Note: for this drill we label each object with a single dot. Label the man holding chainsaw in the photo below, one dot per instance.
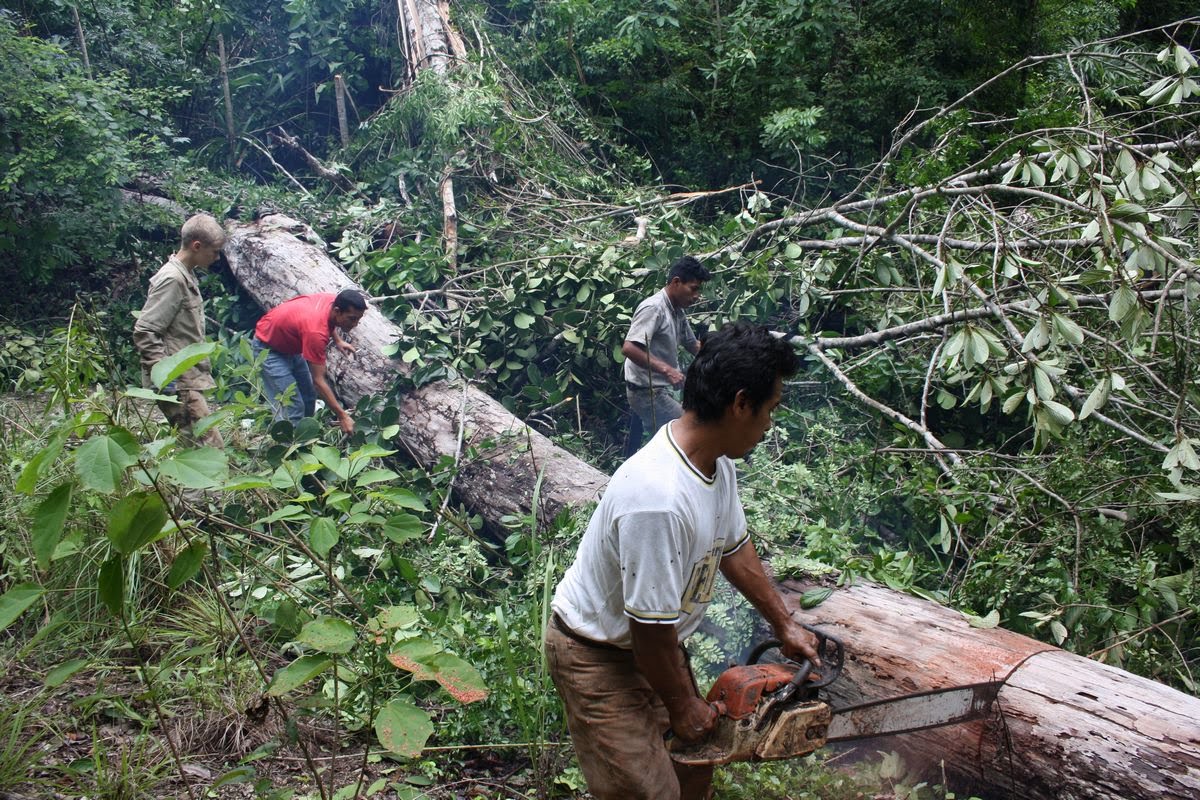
(644, 575)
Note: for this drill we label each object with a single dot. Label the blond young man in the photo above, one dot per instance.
(173, 318)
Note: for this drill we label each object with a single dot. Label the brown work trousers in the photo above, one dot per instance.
(191, 408)
(617, 724)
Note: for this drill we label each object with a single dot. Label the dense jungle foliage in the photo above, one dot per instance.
(977, 220)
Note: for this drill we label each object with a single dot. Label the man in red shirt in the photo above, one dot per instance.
(297, 333)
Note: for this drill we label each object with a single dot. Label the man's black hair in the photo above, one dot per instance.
(350, 298)
(688, 269)
(739, 357)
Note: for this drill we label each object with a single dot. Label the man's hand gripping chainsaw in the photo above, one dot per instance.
(768, 711)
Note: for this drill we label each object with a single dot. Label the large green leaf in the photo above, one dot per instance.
(331, 459)
(33, 470)
(148, 394)
(411, 655)
(402, 527)
(289, 512)
(375, 476)
(174, 365)
(322, 535)
(102, 460)
(328, 634)
(400, 497)
(135, 521)
(398, 617)
(187, 563)
(14, 602)
(298, 673)
(110, 584)
(202, 468)
(460, 679)
(403, 728)
(48, 522)
(60, 674)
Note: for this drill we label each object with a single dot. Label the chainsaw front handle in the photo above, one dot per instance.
(829, 650)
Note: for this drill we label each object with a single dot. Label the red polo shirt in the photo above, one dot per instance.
(299, 326)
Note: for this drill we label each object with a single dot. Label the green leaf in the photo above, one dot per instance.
(102, 460)
(1123, 301)
(242, 483)
(290, 512)
(149, 394)
(174, 365)
(403, 728)
(14, 602)
(402, 527)
(202, 468)
(400, 497)
(187, 563)
(814, 597)
(44, 458)
(62, 673)
(48, 522)
(331, 459)
(990, 621)
(135, 521)
(1095, 400)
(399, 617)
(298, 673)
(411, 654)
(456, 676)
(1041, 381)
(110, 584)
(235, 776)
(1061, 414)
(322, 535)
(375, 476)
(523, 321)
(1067, 329)
(1059, 631)
(328, 634)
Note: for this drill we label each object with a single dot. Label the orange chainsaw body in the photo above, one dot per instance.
(747, 728)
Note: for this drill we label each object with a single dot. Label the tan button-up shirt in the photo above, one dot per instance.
(172, 318)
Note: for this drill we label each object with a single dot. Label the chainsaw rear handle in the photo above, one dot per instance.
(829, 650)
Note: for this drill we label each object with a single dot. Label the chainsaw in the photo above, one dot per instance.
(772, 711)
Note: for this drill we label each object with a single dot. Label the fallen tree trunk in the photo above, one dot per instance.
(277, 258)
(1067, 727)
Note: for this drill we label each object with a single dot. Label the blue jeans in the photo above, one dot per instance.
(281, 372)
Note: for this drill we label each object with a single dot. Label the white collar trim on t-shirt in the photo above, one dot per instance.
(683, 457)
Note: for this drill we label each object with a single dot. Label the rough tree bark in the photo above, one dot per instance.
(1067, 727)
(278, 258)
(430, 42)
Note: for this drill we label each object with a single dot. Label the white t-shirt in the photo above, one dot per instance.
(653, 546)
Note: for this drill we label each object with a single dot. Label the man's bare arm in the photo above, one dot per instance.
(641, 356)
(744, 569)
(345, 422)
(660, 659)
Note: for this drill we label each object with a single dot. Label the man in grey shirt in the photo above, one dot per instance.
(658, 329)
